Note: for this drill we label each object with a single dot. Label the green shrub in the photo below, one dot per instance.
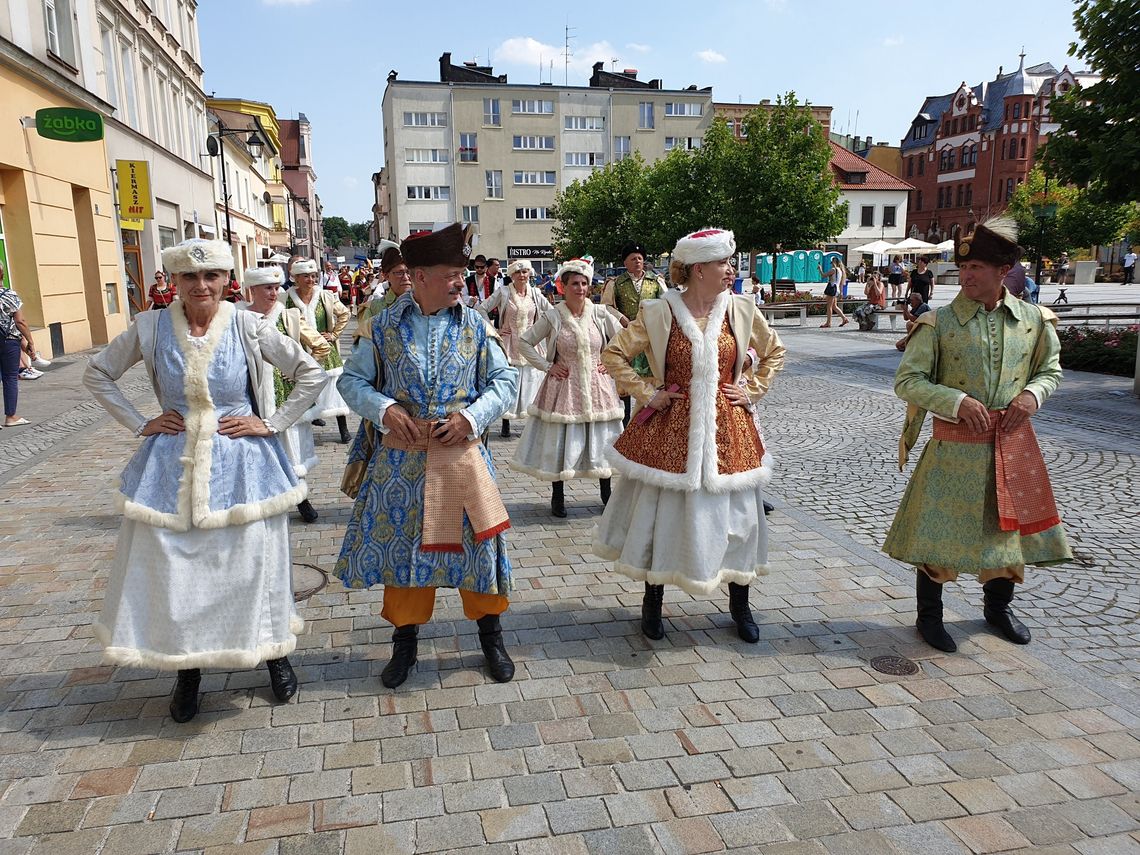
(1104, 351)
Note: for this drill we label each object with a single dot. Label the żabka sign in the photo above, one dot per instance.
(69, 124)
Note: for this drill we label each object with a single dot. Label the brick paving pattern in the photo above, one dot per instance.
(605, 742)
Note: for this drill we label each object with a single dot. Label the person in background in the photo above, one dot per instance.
(1063, 269)
(329, 279)
(161, 294)
(399, 281)
(14, 338)
(861, 272)
(757, 291)
(912, 308)
(922, 279)
(1128, 265)
(233, 289)
(836, 279)
(876, 295)
(476, 282)
(494, 276)
(895, 276)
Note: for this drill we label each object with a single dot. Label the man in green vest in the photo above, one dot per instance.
(624, 294)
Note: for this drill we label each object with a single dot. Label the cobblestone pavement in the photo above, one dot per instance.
(604, 742)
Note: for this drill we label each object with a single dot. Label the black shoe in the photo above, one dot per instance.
(558, 500)
(651, 623)
(499, 664)
(318, 422)
(738, 607)
(282, 678)
(307, 511)
(928, 593)
(604, 486)
(768, 508)
(403, 656)
(997, 595)
(342, 423)
(505, 431)
(184, 701)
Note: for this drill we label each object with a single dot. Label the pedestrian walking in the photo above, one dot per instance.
(922, 279)
(15, 336)
(263, 284)
(1128, 263)
(399, 280)
(203, 575)
(895, 275)
(325, 313)
(836, 279)
(576, 415)
(161, 294)
(979, 501)
(517, 307)
(428, 375)
(688, 510)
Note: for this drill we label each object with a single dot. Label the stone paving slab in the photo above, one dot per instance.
(605, 742)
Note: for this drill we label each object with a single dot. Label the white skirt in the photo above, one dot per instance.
(329, 403)
(558, 451)
(220, 598)
(530, 378)
(696, 541)
(301, 447)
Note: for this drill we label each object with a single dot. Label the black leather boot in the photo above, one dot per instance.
(318, 423)
(505, 431)
(282, 678)
(307, 511)
(342, 423)
(929, 623)
(651, 623)
(558, 499)
(184, 701)
(491, 637)
(997, 595)
(768, 508)
(738, 607)
(604, 487)
(404, 643)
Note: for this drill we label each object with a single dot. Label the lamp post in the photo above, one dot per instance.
(216, 147)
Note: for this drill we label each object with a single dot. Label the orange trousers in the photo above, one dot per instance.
(403, 606)
(942, 575)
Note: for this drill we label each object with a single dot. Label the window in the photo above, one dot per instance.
(491, 115)
(973, 122)
(682, 109)
(954, 126)
(969, 195)
(585, 123)
(1012, 149)
(425, 155)
(127, 66)
(922, 164)
(494, 184)
(470, 213)
(687, 143)
(621, 148)
(585, 158)
(538, 177)
(940, 189)
(918, 200)
(439, 192)
(468, 148)
(889, 216)
(524, 105)
(1008, 188)
(525, 143)
(909, 167)
(57, 28)
(867, 216)
(1023, 147)
(645, 115)
(425, 120)
(532, 214)
(110, 77)
(1017, 111)
(959, 195)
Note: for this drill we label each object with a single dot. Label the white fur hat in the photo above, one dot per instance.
(305, 265)
(585, 266)
(519, 264)
(271, 275)
(705, 245)
(196, 254)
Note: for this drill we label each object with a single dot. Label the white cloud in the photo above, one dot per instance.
(638, 48)
(893, 41)
(528, 52)
(710, 55)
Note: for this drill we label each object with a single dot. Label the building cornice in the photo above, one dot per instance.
(259, 110)
(702, 94)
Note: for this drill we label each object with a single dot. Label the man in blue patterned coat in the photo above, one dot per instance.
(430, 375)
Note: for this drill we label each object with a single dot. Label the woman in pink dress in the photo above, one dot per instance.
(576, 415)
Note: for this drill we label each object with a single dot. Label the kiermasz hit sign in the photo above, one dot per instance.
(133, 178)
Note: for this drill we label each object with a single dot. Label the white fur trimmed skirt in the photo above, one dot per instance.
(206, 598)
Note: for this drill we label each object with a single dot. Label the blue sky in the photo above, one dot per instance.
(876, 60)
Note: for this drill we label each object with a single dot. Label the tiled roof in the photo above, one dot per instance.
(844, 162)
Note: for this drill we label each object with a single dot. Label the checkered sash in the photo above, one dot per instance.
(457, 482)
(1024, 494)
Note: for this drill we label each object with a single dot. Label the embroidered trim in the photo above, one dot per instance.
(135, 658)
(564, 475)
(678, 577)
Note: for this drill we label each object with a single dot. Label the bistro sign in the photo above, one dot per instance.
(69, 124)
(530, 252)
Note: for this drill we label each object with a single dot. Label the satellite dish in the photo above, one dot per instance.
(266, 198)
(212, 146)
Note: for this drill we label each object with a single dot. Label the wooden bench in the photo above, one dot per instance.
(883, 314)
(771, 310)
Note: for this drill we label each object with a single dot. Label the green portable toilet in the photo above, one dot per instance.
(764, 269)
(784, 265)
(799, 266)
(814, 262)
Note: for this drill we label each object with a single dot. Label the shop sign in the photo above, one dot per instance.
(133, 177)
(69, 124)
(131, 224)
(530, 252)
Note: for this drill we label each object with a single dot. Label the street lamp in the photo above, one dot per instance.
(216, 147)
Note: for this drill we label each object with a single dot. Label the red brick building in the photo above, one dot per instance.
(967, 151)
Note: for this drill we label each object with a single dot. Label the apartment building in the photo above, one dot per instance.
(476, 148)
(305, 211)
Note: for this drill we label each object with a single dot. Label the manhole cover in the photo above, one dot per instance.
(308, 579)
(896, 665)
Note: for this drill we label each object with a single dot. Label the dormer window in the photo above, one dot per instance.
(856, 177)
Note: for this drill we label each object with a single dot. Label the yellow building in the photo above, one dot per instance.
(57, 212)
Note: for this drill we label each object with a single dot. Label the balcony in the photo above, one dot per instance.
(279, 236)
(278, 192)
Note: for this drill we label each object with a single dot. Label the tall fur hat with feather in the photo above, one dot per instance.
(992, 242)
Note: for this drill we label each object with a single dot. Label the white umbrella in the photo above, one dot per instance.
(911, 245)
(945, 246)
(875, 248)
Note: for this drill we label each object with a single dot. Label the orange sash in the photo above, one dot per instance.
(1024, 494)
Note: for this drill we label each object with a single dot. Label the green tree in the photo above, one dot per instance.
(599, 215)
(1066, 220)
(359, 233)
(337, 232)
(781, 191)
(1097, 143)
